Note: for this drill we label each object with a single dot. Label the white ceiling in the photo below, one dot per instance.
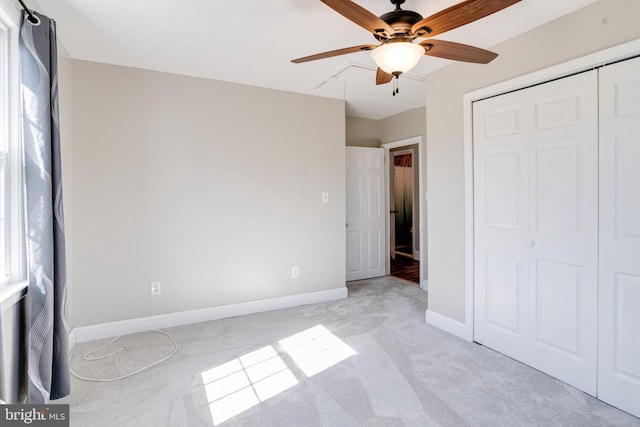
(253, 41)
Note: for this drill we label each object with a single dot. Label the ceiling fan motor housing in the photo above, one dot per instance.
(401, 21)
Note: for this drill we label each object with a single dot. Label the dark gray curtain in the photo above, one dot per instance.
(47, 362)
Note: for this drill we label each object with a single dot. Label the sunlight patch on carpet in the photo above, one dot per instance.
(255, 377)
(316, 349)
(242, 383)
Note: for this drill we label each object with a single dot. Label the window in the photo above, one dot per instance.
(4, 154)
(12, 247)
(4, 239)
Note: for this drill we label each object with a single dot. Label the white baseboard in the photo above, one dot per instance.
(123, 327)
(447, 324)
(72, 339)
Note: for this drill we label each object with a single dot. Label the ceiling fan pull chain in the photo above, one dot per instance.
(395, 86)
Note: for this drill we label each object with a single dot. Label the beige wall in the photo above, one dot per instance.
(596, 27)
(404, 125)
(213, 189)
(371, 133)
(362, 132)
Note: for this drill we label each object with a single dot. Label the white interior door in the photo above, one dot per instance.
(619, 305)
(365, 213)
(536, 225)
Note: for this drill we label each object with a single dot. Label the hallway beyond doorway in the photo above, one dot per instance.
(406, 268)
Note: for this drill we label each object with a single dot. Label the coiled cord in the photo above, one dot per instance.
(88, 357)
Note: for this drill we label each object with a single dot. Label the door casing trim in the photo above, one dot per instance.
(417, 140)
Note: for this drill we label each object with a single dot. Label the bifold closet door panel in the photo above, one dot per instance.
(563, 229)
(502, 132)
(619, 288)
(535, 221)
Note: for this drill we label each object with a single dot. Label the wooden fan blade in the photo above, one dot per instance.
(360, 16)
(336, 52)
(457, 51)
(458, 15)
(383, 77)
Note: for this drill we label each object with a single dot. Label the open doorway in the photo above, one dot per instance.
(402, 183)
(404, 262)
(404, 220)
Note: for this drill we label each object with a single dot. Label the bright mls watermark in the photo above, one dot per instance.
(34, 415)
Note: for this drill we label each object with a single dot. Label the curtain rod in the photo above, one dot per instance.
(32, 18)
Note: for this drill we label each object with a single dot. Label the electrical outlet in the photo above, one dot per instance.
(295, 272)
(325, 197)
(155, 288)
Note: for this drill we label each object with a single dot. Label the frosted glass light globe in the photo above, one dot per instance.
(397, 57)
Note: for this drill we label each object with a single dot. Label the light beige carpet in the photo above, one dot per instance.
(369, 360)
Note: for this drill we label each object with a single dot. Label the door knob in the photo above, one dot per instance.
(393, 212)
(530, 243)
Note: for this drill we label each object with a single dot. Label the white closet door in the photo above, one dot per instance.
(536, 227)
(619, 305)
(365, 213)
(501, 152)
(563, 228)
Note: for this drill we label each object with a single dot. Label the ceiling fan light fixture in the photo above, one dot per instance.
(397, 57)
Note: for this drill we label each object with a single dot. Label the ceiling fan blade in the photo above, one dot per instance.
(383, 77)
(336, 52)
(458, 15)
(360, 16)
(457, 51)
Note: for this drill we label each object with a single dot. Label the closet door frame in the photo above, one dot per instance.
(616, 53)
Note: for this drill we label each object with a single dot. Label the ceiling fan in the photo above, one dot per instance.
(396, 31)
